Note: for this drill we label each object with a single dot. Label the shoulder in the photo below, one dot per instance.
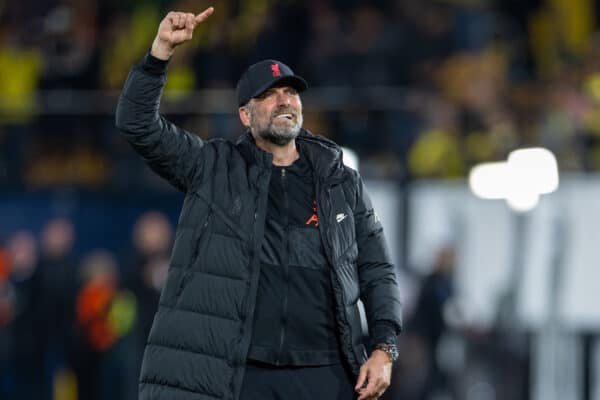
(221, 147)
(352, 175)
(351, 185)
(220, 142)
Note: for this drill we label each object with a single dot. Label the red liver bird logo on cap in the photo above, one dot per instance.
(275, 70)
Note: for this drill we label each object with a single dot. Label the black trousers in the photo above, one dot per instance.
(329, 382)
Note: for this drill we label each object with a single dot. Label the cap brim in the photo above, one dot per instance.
(294, 81)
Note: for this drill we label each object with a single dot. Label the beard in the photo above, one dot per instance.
(277, 134)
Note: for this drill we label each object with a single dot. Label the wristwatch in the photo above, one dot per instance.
(390, 349)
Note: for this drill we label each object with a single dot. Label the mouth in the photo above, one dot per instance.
(287, 116)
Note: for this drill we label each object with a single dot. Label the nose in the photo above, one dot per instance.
(283, 98)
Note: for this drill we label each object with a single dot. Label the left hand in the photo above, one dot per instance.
(378, 370)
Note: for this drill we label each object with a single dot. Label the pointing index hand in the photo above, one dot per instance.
(176, 28)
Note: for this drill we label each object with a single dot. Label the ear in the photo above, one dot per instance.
(244, 116)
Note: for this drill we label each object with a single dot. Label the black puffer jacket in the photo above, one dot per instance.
(201, 332)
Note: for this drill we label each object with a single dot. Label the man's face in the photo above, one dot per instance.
(276, 115)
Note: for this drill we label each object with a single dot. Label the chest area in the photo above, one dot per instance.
(292, 236)
(292, 200)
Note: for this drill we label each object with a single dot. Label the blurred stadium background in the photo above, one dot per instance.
(499, 304)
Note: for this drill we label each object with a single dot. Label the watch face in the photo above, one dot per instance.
(394, 353)
(390, 349)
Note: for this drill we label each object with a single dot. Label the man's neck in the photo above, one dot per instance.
(282, 155)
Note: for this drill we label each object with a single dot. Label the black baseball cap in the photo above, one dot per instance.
(264, 75)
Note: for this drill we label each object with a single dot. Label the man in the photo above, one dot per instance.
(277, 241)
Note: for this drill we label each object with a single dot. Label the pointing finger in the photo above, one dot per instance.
(204, 14)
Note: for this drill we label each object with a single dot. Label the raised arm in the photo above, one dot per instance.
(172, 152)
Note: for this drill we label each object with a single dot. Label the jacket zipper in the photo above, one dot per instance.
(286, 271)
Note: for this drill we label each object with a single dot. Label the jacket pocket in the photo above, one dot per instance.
(198, 240)
(305, 248)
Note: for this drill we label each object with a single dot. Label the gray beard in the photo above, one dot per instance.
(280, 136)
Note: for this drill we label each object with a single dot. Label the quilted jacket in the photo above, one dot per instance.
(200, 336)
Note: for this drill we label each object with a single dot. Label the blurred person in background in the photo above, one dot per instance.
(68, 42)
(6, 315)
(27, 338)
(429, 322)
(57, 283)
(105, 315)
(147, 269)
(277, 241)
(437, 150)
(21, 68)
(422, 373)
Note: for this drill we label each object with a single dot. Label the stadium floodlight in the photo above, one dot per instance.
(350, 158)
(527, 174)
(537, 167)
(490, 180)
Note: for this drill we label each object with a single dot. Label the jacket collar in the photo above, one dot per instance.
(252, 153)
(324, 155)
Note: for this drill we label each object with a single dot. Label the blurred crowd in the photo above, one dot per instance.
(470, 81)
(73, 327)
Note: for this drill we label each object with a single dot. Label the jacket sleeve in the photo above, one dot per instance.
(377, 275)
(170, 151)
